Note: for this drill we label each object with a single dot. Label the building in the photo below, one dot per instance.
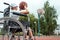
(57, 30)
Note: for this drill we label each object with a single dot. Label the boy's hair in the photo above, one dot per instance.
(22, 4)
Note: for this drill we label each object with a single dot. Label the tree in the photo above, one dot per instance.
(50, 23)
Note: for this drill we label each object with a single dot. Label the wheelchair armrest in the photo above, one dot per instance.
(19, 14)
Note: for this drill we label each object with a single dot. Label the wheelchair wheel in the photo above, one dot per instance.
(12, 19)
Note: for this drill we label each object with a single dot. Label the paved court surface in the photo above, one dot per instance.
(36, 38)
(48, 38)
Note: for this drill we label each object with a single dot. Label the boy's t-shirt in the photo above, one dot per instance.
(14, 16)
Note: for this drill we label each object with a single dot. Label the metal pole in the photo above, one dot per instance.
(9, 33)
(38, 24)
(28, 18)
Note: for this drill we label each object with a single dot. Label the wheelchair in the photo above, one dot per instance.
(11, 24)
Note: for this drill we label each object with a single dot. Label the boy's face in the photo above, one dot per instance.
(14, 8)
(25, 7)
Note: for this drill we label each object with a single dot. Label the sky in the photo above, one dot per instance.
(33, 5)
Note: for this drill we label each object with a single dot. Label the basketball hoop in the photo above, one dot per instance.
(40, 11)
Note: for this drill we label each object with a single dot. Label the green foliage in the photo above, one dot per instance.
(50, 23)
